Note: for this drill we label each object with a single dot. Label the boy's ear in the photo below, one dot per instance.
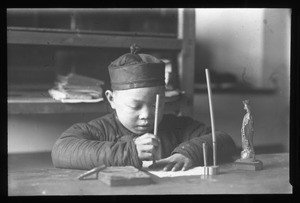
(110, 97)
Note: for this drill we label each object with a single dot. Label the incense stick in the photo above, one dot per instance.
(211, 117)
(92, 171)
(156, 119)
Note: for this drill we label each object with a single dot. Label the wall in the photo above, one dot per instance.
(38, 132)
(257, 41)
(276, 49)
(230, 40)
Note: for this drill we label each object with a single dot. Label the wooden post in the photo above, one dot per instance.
(186, 57)
(73, 20)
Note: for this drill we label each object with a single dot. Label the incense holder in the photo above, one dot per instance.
(248, 165)
(210, 170)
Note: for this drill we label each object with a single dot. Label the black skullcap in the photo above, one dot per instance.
(134, 70)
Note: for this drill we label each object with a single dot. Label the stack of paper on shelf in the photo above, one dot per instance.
(75, 88)
(172, 93)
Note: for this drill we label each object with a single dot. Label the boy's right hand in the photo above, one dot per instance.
(146, 146)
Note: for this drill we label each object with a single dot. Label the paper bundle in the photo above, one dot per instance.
(75, 88)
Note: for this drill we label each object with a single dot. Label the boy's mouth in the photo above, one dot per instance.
(144, 127)
(145, 123)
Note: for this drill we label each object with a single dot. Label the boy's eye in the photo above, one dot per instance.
(133, 106)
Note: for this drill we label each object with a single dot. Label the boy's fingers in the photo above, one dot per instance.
(185, 167)
(153, 141)
(153, 138)
(155, 166)
(168, 167)
(147, 156)
(148, 135)
(145, 137)
(159, 164)
(147, 148)
(162, 161)
(177, 166)
(147, 141)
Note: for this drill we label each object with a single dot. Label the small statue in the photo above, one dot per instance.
(247, 134)
(247, 160)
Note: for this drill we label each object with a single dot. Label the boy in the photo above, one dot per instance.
(125, 137)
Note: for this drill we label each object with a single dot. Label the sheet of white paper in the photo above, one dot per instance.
(196, 171)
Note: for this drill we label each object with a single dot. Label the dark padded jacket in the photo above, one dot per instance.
(106, 141)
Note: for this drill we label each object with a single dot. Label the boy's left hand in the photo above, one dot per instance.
(174, 162)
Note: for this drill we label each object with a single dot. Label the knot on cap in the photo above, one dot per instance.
(134, 70)
(130, 58)
(134, 49)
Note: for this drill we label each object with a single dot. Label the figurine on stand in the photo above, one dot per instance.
(247, 160)
(247, 134)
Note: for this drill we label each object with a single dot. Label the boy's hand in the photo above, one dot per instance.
(174, 162)
(146, 146)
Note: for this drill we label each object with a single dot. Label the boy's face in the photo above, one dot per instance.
(135, 108)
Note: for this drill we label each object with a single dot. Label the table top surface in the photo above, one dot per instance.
(273, 179)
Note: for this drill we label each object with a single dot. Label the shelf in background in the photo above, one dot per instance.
(39, 102)
(49, 105)
(61, 37)
(199, 88)
(98, 32)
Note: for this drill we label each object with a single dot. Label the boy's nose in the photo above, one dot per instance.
(146, 113)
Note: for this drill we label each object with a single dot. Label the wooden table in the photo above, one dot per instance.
(274, 178)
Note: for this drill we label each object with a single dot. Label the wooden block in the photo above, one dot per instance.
(124, 176)
(250, 166)
(211, 170)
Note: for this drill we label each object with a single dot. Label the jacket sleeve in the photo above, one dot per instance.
(193, 134)
(83, 146)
